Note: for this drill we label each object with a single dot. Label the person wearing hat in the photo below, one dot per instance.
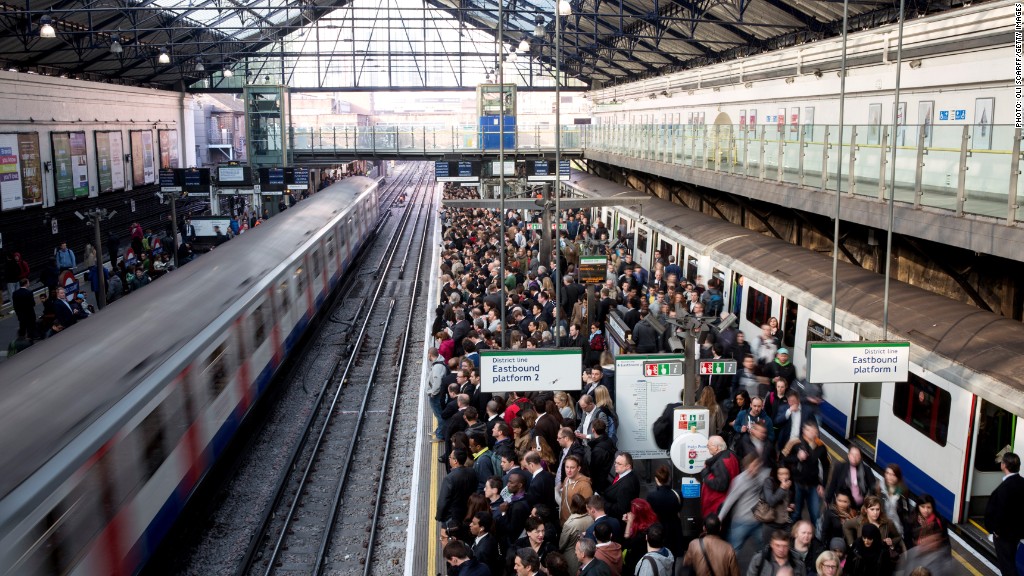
(782, 367)
(869, 556)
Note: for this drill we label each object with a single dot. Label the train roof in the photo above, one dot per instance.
(979, 351)
(55, 389)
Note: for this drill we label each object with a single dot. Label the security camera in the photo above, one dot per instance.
(728, 319)
(79, 214)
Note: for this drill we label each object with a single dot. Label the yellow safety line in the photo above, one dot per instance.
(433, 534)
(865, 440)
(963, 561)
(978, 526)
(835, 455)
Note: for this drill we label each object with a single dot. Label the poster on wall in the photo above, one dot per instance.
(701, 117)
(689, 119)
(21, 180)
(808, 126)
(752, 120)
(70, 172)
(901, 124)
(874, 123)
(925, 111)
(794, 121)
(743, 120)
(780, 120)
(984, 108)
(109, 167)
(168, 149)
(148, 158)
(138, 176)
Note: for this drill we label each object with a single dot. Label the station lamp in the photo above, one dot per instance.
(116, 48)
(228, 73)
(46, 27)
(163, 58)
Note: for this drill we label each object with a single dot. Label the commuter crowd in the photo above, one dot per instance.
(535, 482)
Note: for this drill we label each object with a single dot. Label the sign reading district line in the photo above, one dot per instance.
(859, 361)
(530, 370)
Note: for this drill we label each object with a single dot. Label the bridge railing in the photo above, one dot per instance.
(969, 169)
(428, 140)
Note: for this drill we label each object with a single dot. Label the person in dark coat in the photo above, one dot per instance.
(456, 488)
(645, 337)
(542, 485)
(49, 276)
(25, 308)
(859, 483)
(513, 513)
(869, 556)
(457, 554)
(602, 456)
(667, 504)
(624, 487)
(485, 544)
(1004, 512)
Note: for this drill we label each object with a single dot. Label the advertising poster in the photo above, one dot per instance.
(21, 180)
(168, 149)
(752, 120)
(103, 175)
(79, 165)
(63, 179)
(148, 158)
(138, 175)
(116, 160)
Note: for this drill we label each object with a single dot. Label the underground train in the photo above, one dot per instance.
(945, 427)
(109, 427)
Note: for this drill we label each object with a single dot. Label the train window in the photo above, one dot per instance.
(995, 436)
(154, 453)
(641, 240)
(819, 333)
(330, 247)
(924, 406)
(315, 257)
(282, 293)
(300, 283)
(258, 326)
(216, 370)
(759, 307)
(666, 249)
(691, 269)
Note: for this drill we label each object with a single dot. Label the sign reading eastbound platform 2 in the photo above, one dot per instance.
(530, 370)
(859, 361)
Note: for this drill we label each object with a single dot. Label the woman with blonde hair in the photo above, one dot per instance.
(566, 407)
(716, 418)
(604, 402)
(828, 564)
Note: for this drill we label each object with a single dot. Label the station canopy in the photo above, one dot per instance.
(331, 45)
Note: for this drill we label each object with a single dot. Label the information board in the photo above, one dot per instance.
(530, 370)
(544, 171)
(204, 225)
(689, 452)
(463, 171)
(197, 180)
(296, 178)
(859, 362)
(640, 400)
(593, 269)
(171, 179)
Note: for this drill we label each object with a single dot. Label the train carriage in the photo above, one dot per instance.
(110, 427)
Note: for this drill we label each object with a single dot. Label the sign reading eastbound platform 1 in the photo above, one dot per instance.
(859, 361)
(530, 370)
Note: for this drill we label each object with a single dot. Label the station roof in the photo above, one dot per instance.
(408, 44)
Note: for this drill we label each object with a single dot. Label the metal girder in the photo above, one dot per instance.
(532, 204)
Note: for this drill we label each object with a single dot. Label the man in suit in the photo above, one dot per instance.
(546, 426)
(542, 483)
(624, 488)
(460, 329)
(485, 544)
(1004, 512)
(791, 420)
(526, 563)
(595, 509)
(459, 556)
(586, 548)
(456, 488)
(25, 308)
(63, 310)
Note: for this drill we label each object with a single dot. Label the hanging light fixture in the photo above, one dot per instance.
(564, 8)
(539, 29)
(200, 67)
(115, 47)
(228, 73)
(512, 56)
(524, 45)
(46, 27)
(164, 57)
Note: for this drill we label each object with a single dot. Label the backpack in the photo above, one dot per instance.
(597, 343)
(715, 304)
(663, 430)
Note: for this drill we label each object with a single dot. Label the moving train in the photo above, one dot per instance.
(109, 427)
(946, 426)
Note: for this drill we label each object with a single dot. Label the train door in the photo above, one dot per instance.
(759, 305)
(867, 405)
(644, 242)
(995, 430)
(735, 298)
(838, 397)
(722, 275)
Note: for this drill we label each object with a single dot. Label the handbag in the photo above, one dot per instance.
(763, 512)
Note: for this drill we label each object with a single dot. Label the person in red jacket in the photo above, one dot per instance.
(719, 470)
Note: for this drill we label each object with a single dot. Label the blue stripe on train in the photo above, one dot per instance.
(833, 418)
(917, 480)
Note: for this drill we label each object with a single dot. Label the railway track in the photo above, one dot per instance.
(326, 508)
